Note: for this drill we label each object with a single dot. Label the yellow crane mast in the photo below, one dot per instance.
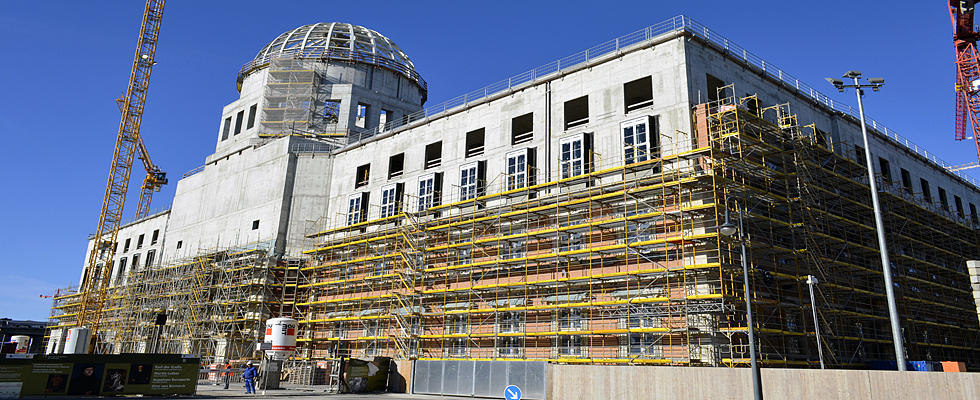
(129, 144)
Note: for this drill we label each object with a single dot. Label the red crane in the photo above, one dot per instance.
(967, 74)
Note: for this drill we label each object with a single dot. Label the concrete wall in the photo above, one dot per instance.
(571, 382)
(603, 83)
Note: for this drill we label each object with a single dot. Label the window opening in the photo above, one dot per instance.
(714, 84)
(973, 213)
(517, 169)
(886, 170)
(391, 198)
(255, 225)
(926, 193)
(433, 155)
(471, 179)
(638, 93)
(363, 176)
(384, 119)
(942, 199)
(640, 139)
(227, 129)
(572, 155)
(474, 142)
(179, 243)
(576, 112)
(239, 120)
(149, 258)
(139, 242)
(362, 114)
(126, 246)
(155, 237)
(429, 185)
(396, 165)
(522, 129)
(355, 208)
(906, 180)
(136, 262)
(251, 116)
(959, 205)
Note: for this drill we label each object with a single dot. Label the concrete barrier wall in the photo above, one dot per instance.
(570, 382)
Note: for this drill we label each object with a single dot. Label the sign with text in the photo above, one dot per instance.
(97, 374)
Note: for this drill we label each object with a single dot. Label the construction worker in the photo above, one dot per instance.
(227, 374)
(249, 375)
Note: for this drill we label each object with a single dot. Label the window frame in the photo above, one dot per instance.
(518, 175)
(391, 198)
(430, 198)
(633, 142)
(356, 206)
(572, 165)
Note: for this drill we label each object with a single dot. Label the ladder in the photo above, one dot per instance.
(335, 382)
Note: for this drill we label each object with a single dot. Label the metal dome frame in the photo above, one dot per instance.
(337, 41)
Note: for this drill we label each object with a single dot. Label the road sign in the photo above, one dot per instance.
(512, 393)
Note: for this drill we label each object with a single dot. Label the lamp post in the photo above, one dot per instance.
(729, 229)
(874, 84)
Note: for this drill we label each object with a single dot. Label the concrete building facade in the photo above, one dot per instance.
(569, 214)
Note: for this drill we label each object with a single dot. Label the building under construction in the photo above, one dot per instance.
(569, 214)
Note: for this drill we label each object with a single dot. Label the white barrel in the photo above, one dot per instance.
(77, 341)
(280, 333)
(56, 343)
(23, 343)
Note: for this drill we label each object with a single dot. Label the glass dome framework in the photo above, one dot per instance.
(337, 41)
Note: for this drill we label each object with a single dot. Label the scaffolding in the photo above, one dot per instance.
(297, 100)
(216, 305)
(624, 263)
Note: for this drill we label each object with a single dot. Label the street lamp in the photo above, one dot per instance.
(874, 84)
(729, 229)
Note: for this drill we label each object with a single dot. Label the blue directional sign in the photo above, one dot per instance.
(512, 393)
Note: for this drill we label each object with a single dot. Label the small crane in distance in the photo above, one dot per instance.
(967, 75)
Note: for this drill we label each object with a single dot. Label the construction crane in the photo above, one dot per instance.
(967, 74)
(129, 144)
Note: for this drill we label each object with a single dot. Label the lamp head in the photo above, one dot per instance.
(876, 81)
(728, 229)
(839, 84)
(852, 74)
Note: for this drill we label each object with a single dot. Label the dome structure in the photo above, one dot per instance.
(336, 41)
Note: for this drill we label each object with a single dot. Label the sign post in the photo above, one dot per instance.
(512, 392)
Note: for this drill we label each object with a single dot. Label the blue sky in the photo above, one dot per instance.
(63, 63)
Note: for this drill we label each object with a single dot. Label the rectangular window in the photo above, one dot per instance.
(179, 243)
(926, 193)
(886, 170)
(429, 187)
(638, 93)
(227, 129)
(362, 114)
(363, 175)
(149, 258)
(859, 155)
(576, 112)
(331, 111)
(522, 129)
(255, 225)
(906, 180)
(973, 213)
(239, 120)
(640, 139)
(572, 156)
(356, 206)
(472, 178)
(942, 198)
(155, 237)
(384, 119)
(122, 269)
(715, 86)
(396, 165)
(474, 142)
(958, 202)
(433, 155)
(136, 262)
(139, 242)
(251, 116)
(126, 246)
(519, 169)
(391, 199)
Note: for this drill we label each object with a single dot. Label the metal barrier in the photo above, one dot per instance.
(479, 378)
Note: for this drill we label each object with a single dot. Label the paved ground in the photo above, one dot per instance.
(237, 392)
